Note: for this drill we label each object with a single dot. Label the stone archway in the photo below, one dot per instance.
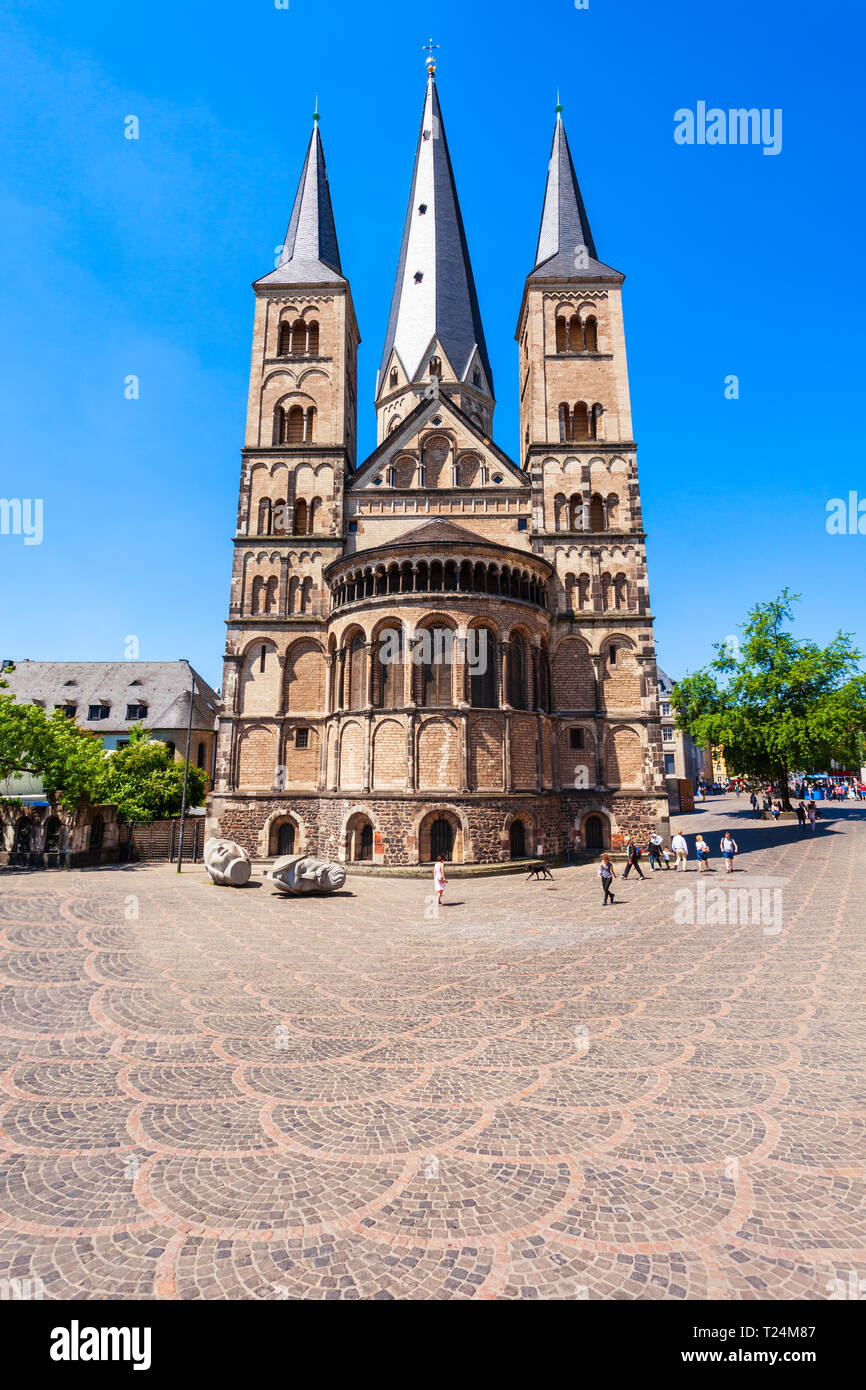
(595, 832)
(433, 827)
(360, 838)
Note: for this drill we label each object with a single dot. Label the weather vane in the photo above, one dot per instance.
(431, 61)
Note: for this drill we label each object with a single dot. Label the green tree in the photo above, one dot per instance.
(145, 783)
(70, 761)
(774, 704)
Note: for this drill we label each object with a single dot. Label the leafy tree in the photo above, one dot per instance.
(777, 705)
(145, 783)
(70, 761)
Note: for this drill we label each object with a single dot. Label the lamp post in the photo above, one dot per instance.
(186, 767)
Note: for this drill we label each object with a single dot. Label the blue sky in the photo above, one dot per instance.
(136, 257)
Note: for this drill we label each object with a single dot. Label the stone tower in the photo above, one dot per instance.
(438, 649)
(577, 447)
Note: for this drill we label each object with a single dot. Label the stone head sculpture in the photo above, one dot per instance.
(301, 873)
(227, 864)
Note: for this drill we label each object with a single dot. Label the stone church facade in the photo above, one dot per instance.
(438, 649)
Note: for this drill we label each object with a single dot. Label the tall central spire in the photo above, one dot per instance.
(565, 244)
(310, 254)
(434, 309)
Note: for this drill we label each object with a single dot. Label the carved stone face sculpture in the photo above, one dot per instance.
(227, 864)
(301, 873)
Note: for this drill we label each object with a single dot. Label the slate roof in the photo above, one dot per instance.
(442, 304)
(310, 252)
(565, 230)
(160, 685)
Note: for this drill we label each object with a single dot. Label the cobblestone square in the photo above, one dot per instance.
(209, 1093)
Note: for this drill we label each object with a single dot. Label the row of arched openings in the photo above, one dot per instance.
(294, 425)
(580, 421)
(574, 335)
(432, 655)
(298, 339)
(614, 592)
(272, 517)
(440, 576)
(572, 513)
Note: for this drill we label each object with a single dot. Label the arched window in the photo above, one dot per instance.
(620, 592)
(437, 657)
(583, 591)
(258, 585)
(580, 421)
(279, 434)
(392, 380)
(517, 673)
(357, 693)
(301, 520)
(435, 366)
(590, 334)
(279, 515)
(200, 756)
(575, 334)
(310, 421)
(389, 669)
(483, 675)
(271, 594)
(596, 513)
(284, 346)
(295, 426)
(313, 339)
(299, 336)
(561, 336)
(564, 424)
(575, 512)
(264, 517)
(314, 521)
(606, 592)
(612, 509)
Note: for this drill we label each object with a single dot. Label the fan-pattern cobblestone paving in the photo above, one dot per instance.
(210, 1093)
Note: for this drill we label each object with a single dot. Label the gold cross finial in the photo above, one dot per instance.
(431, 61)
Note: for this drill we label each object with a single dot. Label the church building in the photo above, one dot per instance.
(438, 649)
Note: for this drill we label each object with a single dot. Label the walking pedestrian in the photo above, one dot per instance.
(666, 855)
(813, 815)
(753, 802)
(680, 847)
(439, 879)
(632, 852)
(801, 815)
(607, 874)
(729, 848)
(655, 852)
(702, 850)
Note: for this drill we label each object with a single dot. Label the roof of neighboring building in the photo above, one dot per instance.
(162, 686)
(310, 253)
(566, 249)
(434, 296)
(666, 685)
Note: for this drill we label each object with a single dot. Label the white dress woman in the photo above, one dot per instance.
(439, 879)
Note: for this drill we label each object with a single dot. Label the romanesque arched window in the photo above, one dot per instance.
(270, 594)
(612, 509)
(564, 424)
(606, 601)
(482, 667)
(435, 366)
(437, 651)
(580, 421)
(389, 668)
(575, 334)
(596, 512)
(301, 521)
(357, 693)
(590, 334)
(299, 337)
(597, 412)
(313, 339)
(264, 526)
(561, 335)
(393, 379)
(284, 345)
(295, 426)
(279, 434)
(575, 512)
(517, 673)
(620, 592)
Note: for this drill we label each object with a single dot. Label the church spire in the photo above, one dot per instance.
(310, 253)
(434, 306)
(565, 249)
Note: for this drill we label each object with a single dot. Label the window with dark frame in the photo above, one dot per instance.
(302, 738)
(97, 712)
(575, 738)
(136, 711)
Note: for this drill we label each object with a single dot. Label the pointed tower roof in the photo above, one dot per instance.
(310, 252)
(566, 249)
(434, 296)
